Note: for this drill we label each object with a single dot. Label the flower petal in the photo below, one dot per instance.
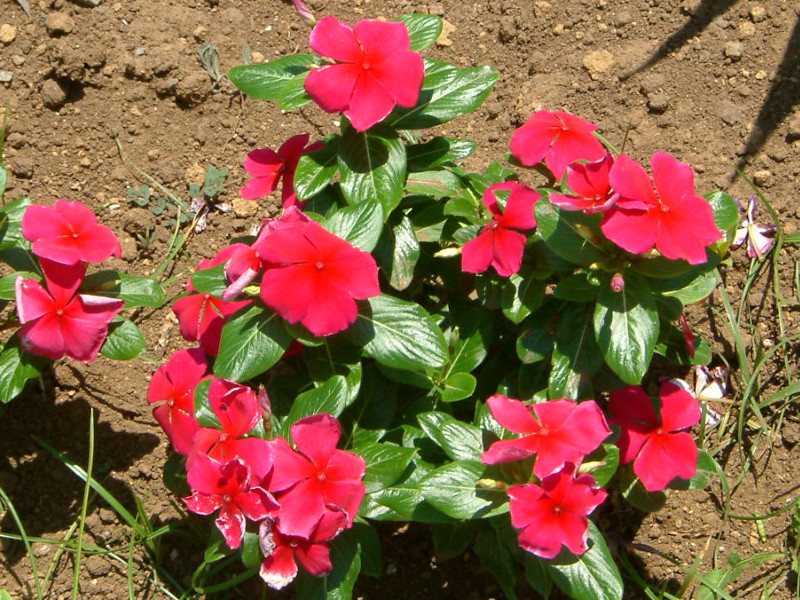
(316, 437)
(334, 39)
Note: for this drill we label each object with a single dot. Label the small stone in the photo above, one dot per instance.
(436, 8)
(598, 62)
(790, 433)
(559, 29)
(88, 3)
(758, 14)
(622, 18)
(23, 168)
(747, 29)
(734, 50)
(59, 24)
(257, 58)
(138, 221)
(85, 162)
(508, 29)
(97, 566)
(129, 247)
(53, 95)
(762, 178)
(651, 83)
(153, 154)
(6, 76)
(41, 549)
(244, 208)
(18, 60)
(444, 38)
(658, 103)
(200, 33)
(8, 33)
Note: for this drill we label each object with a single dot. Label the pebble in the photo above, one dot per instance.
(658, 103)
(18, 60)
(41, 549)
(244, 208)
(8, 33)
(734, 50)
(88, 3)
(59, 23)
(622, 18)
(444, 40)
(257, 58)
(53, 95)
(598, 62)
(758, 14)
(6, 76)
(762, 178)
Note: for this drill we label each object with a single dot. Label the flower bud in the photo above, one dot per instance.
(266, 407)
(304, 12)
(617, 283)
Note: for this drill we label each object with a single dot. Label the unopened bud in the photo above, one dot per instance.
(617, 283)
(304, 12)
(490, 484)
(266, 408)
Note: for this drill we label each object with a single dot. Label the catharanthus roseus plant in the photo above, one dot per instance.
(469, 350)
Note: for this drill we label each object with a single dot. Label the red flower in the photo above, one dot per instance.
(236, 406)
(226, 487)
(173, 384)
(665, 212)
(315, 479)
(554, 514)
(559, 431)
(58, 322)
(283, 552)
(497, 244)
(590, 186)
(557, 137)
(658, 449)
(326, 275)
(268, 166)
(374, 70)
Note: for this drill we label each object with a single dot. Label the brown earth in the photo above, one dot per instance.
(700, 79)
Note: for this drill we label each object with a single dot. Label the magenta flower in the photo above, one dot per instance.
(283, 552)
(268, 167)
(501, 243)
(326, 275)
(559, 432)
(553, 514)
(657, 445)
(173, 384)
(236, 406)
(558, 138)
(590, 187)
(68, 233)
(58, 322)
(665, 212)
(227, 487)
(374, 70)
(316, 478)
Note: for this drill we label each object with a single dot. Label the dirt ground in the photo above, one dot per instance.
(716, 83)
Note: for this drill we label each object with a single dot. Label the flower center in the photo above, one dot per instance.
(544, 431)
(660, 431)
(59, 311)
(75, 236)
(170, 402)
(556, 509)
(319, 265)
(664, 208)
(227, 498)
(223, 437)
(321, 476)
(365, 65)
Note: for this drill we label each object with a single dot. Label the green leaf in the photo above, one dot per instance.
(698, 289)
(399, 334)
(572, 235)
(494, 554)
(11, 224)
(8, 283)
(451, 540)
(360, 224)
(636, 494)
(316, 169)
(293, 93)
(726, 211)
(576, 288)
(460, 441)
(251, 551)
(17, 367)
(338, 584)
(468, 353)
(576, 355)
(439, 150)
(372, 166)
(210, 281)
(433, 183)
(386, 463)
(202, 407)
(331, 397)
(453, 489)
(608, 457)
(537, 338)
(397, 254)
(626, 325)
(447, 92)
(423, 30)
(707, 469)
(266, 81)
(252, 341)
(458, 386)
(590, 576)
(135, 291)
(537, 574)
(3, 179)
(521, 296)
(124, 340)
(403, 501)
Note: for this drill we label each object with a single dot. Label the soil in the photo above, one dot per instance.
(101, 92)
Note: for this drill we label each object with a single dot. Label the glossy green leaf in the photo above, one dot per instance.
(202, 407)
(626, 325)
(520, 296)
(8, 283)
(124, 340)
(537, 574)
(251, 551)
(447, 92)
(537, 337)
(372, 166)
(17, 367)
(590, 576)
(252, 341)
(3, 179)
(403, 501)
(726, 211)
(210, 281)
(604, 462)
(331, 397)
(316, 169)
(576, 355)
(135, 291)
(433, 183)
(266, 81)
(700, 288)
(467, 354)
(451, 540)
(495, 555)
(385, 464)
(576, 288)
(439, 150)
(423, 30)
(338, 584)
(707, 469)
(11, 224)
(360, 224)
(453, 489)
(293, 93)
(399, 334)
(636, 494)
(458, 386)
(572, 235)
(459, 440)
(397, 254)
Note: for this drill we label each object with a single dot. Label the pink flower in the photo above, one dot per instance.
(283, 552)
(68, 233)
(226, 487)
(559, 431)
(757, 236)
(173, 384)
(326, 275)
(236, 406)
(554, 513)
(557, 137)
(590, 186)
(665, 212)
(660, 451)
(58, 322)
(316, 478)
(374, 70)
(498, 244)
(268, 166)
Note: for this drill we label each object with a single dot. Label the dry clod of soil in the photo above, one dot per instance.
(244, 208)
(758, 13)
(734, 50)
(138, 220)
(794, 127)
(763, 178)
(193, 89)
(8, 33)
(59, 24)
(53, 95)
(88, 3)
(658, 103)
(598, 62)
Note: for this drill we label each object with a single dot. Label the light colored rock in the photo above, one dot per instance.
(59, 23)
(257, 58)
(758, 14)
(244, 208)
(444, 37)
(734, 50)
(6, 76)
(598, 62)
(8, 33)
(762, 178)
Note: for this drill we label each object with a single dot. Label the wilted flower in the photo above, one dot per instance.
(756, 236)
